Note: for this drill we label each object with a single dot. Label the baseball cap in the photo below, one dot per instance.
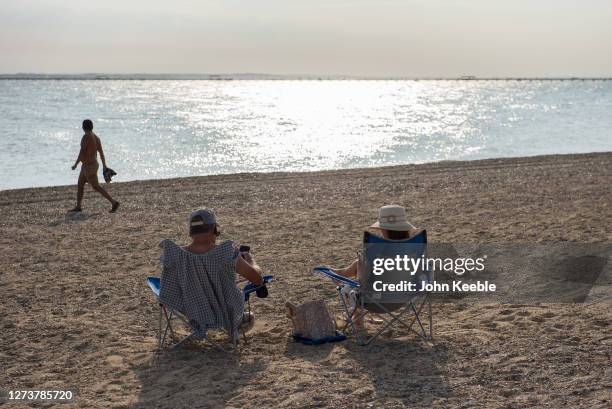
(207, 216)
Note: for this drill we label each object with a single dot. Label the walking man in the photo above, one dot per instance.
(88, 156)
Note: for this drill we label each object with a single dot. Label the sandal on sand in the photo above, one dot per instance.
(115, 207)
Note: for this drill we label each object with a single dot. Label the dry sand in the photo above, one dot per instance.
(76, 312)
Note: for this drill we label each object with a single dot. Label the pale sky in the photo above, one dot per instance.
(410, 38)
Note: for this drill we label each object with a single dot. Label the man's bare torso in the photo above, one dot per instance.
(89, 146)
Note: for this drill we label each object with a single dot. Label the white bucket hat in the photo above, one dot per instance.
(392, 217)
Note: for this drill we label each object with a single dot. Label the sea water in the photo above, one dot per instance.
(169, 128)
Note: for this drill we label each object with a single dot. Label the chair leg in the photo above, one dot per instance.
(418, 319)
(183, 340)
(388, 323)
(349, 316)
(215, 344)
(246, 342)
(396, 318)
(159, 332)
(430, 317)
(426, 300)
(168, 327)
(359, 317)
(163, 331)
(423, 334)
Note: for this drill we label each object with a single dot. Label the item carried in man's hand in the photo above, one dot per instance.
(262, 290)
(108, 174)
(311, 320)
(250, 288)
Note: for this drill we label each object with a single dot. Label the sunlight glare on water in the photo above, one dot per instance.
(161, 129)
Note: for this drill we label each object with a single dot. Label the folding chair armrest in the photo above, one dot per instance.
(154, 284)
(251, 287)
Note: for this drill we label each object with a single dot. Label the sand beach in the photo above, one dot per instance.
(77, 314)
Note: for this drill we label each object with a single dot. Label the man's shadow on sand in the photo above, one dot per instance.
(404, 370)
(72, 217)
(196, 376)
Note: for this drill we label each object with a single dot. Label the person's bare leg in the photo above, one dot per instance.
(103, 192)
(80, 192)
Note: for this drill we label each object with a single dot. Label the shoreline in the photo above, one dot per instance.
(500, 161)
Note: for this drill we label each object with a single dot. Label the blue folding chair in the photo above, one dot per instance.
(168, 313)
(391, 309)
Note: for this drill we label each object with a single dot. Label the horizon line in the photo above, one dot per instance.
(266, 76)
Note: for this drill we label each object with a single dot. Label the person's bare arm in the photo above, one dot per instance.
(81, 152)
(102, 158)
(248, 269)
(349, 271)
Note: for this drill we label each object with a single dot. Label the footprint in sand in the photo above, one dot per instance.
(600, 322)
(523, 313)
(543, 317)
(489, 324)
(552, 330)
(278, 329)
(82, 346)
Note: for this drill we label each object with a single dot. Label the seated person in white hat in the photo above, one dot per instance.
(392, 225)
